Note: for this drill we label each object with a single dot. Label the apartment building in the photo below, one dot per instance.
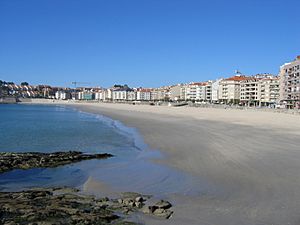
(101, 95)
(160, 94)
(201, 92)
(215, 90)
(259, 90)
(229, 89)
(131, 95)
(62, 95)
(250, 91)
(143, 94)
(196, 91)
(208, 91)
(183, 92)
(120, 94)
(269, 91)
(290, 84)
(175, 92)
(190, 91)
(86, 95)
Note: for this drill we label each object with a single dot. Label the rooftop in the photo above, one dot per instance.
(237, 78)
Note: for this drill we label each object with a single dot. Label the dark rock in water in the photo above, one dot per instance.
(54, 206)
(164, 213)
(160, 209)
(163, 204)
(69, 206)
(28, 160)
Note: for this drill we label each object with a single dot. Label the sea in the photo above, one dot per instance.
(51, 128)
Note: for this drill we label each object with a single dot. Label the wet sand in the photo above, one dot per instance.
(250, 159)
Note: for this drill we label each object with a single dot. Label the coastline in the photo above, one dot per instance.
(251, 158)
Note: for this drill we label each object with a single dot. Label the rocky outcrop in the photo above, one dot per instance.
(160, 209)
(55, 206)
(69, 206)
(66, 205)
(131, 202)
(28, 160)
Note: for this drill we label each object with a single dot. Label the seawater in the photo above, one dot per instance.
(50, 128)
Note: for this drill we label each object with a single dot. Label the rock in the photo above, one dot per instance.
(160, 209)
(131, 195)
(131, 204)
(139, 199)
(163, 204)
(149, 209)
(28, 160)
(127, 201)
(53, 206)
(165, 213)
(138, 204)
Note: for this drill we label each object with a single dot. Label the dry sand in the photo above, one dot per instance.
(250, 158)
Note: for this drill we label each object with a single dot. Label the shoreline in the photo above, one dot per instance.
(251, 158)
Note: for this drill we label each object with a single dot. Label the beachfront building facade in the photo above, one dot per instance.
(250, 91)
(120, 94)
(269, 91)
(131, 95)
(86, 95)
(201, 91)
(183, 92)
(62, 95)
(196, 91)
(208, 91)
(290, 84)
(229, 89)
(101, 95)
(175, 92)
(143, 94)
(215, 91)
(160, 94)
(109, 94)
(190, 92)
(259, 90)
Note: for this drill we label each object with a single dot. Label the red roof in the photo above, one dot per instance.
(199, 83)
(237, 78)
(144, 89)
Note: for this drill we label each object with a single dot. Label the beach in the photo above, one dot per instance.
(248, 161)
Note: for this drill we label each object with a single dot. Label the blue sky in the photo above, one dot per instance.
(144, 42)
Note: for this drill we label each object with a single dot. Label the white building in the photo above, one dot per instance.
(160, 94)
(109, 94)
(119, 95)
(269, 91)
(250, 91)
(143, 94)
(201, 92)
(229, 89)
(190, 91)
(290, 84)
(197, 91)
(101, 95)
(215, 90)
(122, 93)
(175, 92)
(131, 95)
(62, 95)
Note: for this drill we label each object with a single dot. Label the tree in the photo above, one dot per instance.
(24, 84)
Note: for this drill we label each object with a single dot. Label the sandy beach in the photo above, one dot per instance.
(249, 159)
